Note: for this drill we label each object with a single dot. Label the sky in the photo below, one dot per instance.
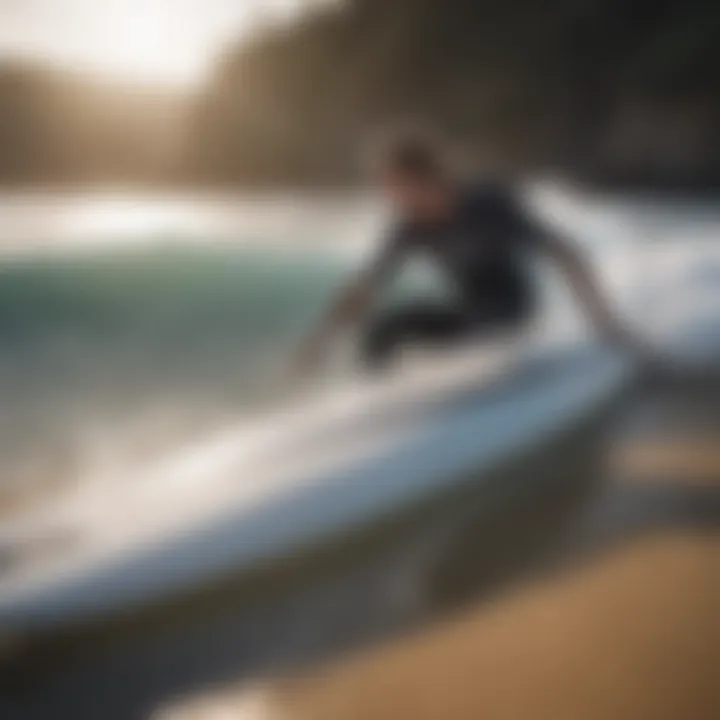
(165, 41)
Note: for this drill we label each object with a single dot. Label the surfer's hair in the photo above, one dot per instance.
(413, 154)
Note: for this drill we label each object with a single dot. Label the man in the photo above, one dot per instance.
(478, 236)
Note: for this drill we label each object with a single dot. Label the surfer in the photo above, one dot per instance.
(479, 237)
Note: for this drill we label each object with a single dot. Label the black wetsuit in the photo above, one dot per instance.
(481, 250)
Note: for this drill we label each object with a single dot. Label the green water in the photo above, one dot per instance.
(107, 357)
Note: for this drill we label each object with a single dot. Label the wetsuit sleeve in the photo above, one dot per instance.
(524, 225)
(532, 231)
(389, 257)
(358, 295)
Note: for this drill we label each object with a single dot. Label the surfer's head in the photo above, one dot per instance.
(415, 173)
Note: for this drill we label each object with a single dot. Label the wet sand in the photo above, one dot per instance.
(636, 636)
(629, 629)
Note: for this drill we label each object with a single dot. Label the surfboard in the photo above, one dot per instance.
(295, 480)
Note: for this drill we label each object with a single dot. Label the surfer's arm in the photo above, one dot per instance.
(586, 288)
(574, 267)
(352, 303)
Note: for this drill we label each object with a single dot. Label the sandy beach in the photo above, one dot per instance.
(630, 631)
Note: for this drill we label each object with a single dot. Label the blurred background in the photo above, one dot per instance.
(268, 92)
(180, 196)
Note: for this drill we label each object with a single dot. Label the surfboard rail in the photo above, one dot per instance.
(328, 469)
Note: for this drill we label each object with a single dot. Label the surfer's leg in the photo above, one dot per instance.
(415, 324)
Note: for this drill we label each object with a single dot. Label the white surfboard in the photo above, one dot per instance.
(264, 490)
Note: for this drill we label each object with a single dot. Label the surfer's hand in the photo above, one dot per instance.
(661, 371)
(654, 366)
(623, 338)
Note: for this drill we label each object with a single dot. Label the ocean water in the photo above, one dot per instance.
(121, 354)
(130, 325)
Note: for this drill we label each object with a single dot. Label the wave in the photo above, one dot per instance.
(107, 357)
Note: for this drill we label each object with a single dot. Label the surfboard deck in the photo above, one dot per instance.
(305, 475)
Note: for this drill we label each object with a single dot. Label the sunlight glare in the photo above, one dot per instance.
(173, 42)
(153, 41)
